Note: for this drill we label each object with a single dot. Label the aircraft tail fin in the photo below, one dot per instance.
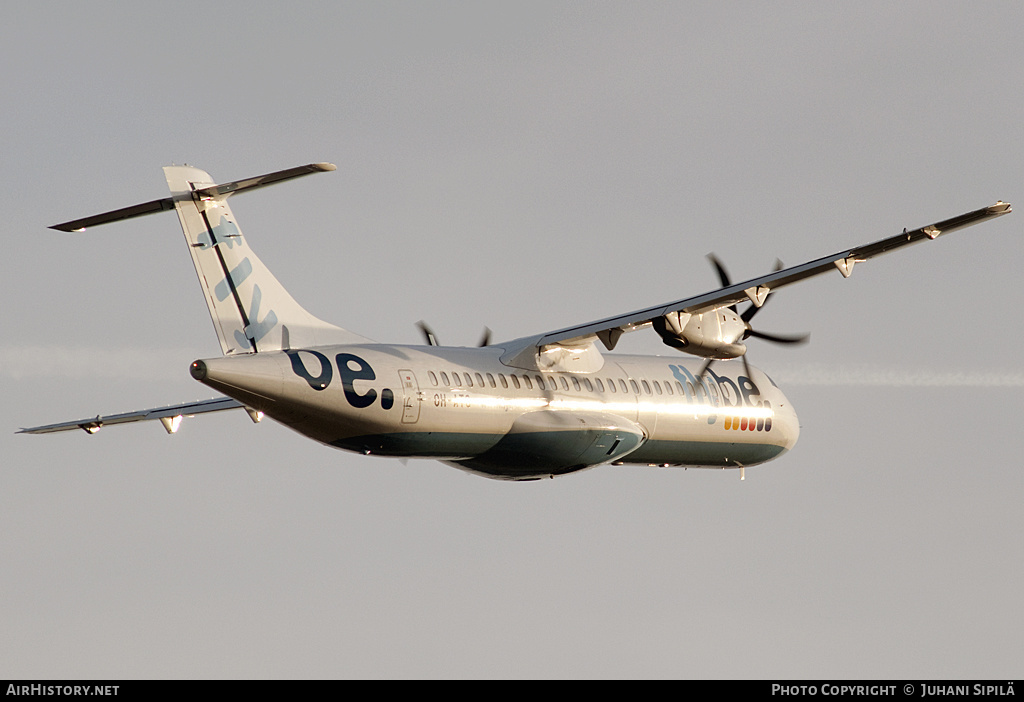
(251, 310)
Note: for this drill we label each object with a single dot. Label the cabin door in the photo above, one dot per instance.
(411, 397)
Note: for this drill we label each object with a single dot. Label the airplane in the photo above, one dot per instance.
(534, 407)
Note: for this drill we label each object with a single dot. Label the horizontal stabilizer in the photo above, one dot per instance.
(145, 208)
(237, 186)
(93, 424)
(210, 192)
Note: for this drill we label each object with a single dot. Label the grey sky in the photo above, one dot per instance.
(523, 166)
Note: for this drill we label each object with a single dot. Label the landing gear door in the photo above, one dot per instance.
(412, 397)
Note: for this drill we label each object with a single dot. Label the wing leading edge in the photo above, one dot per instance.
(755, 290)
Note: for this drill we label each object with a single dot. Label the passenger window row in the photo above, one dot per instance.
(551, 382)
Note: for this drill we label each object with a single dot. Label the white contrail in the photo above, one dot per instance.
(21, 362)
(851, 374)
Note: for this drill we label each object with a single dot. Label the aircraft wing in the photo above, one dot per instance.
(754, 290)
(169, 416)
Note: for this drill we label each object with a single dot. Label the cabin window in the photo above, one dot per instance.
(458, 380)
(657, 387)
(433, 378)
(540, 382)
(575, 384)
(490, 380)
(479, 379)
(589, 385)
(444, 379)
(611, 384)
(622, 385)
(527, 381)
(501, 377)
(515, 381)
(600, 385)
(565, 383)
(469, 380)
(668, 387)
(636, 388)
(647, 388)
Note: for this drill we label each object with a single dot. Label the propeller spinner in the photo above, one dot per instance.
(748, 314)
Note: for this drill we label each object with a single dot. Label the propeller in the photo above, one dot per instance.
(428, 333)
(748, 314)
(431, 338)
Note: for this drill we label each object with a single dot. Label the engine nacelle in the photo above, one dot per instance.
(714, 334)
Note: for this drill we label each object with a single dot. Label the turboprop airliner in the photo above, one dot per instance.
(534, 407)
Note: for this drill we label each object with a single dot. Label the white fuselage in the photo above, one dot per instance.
(462, 405)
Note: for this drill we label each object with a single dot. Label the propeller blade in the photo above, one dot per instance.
(486, 339)
(428, 333)
(704, 369)
(748, 314)
(723, 275)
(801, 339)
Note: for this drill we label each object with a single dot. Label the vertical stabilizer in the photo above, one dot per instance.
(251, 310)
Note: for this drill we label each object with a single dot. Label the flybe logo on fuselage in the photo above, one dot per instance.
(721, 391)
(350, 369)
(718, 390)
